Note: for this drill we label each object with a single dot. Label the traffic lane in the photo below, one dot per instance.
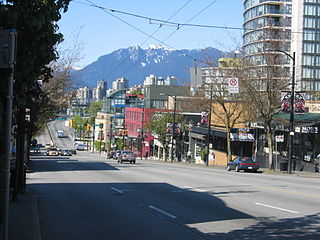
(206, 214)
(245, 196)
(95, 211)
(79, 162)
(206, 177)
(66, 142)
(220, 227)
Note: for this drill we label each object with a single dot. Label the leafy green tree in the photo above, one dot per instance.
(158, 125)
(94, 108)
(36, 24)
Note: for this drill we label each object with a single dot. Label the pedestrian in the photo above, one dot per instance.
(189, 156)
(212, 155)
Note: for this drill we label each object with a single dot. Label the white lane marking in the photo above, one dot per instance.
(194, 189)
(162, 212)
(278, 208)
(117, 190)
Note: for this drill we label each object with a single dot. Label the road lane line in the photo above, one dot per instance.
(162, 212)
(194, 189)
(278, 208)
(290, 191)
(117, 190)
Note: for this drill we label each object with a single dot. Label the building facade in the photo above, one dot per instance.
(290, 26)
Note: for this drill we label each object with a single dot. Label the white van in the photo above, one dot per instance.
(60, 134)
(79, 146)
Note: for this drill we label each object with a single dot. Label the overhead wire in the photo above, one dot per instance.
(163, 41)
(154, 32)
(170, 23)
(143, 32)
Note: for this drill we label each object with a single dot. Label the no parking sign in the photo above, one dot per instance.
(233, 85)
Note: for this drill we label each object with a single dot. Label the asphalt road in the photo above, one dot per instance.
(87, 196)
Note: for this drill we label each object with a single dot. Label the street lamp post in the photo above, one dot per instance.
(291, 120)
(173, 125)
(209, 128)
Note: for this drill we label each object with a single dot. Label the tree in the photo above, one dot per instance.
(227, 108)
(263, 79)
(158, 125)
(95, 107)
(35, 23)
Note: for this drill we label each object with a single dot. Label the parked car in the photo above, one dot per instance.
(117, 154)
(110, 154)
(127, 156)
(65, 152)
(52, 152)
(243, 163)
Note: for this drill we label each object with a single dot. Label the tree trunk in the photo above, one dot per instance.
(270, 146)
(229, 153)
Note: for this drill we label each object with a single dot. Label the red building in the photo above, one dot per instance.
(140, 140)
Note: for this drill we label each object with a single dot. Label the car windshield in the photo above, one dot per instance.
(127, 152)
(53, 149)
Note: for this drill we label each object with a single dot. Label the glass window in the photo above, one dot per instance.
(309, 47)
(309, 22)
(310, 10)
(307, 73)
(309, 35)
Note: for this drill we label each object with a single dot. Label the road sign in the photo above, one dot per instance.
(279, 138)
(233, 85)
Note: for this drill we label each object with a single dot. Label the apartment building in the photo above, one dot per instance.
(290, 26)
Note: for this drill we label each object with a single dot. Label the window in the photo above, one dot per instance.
(309, 35)
(309, 22)
(310, 10)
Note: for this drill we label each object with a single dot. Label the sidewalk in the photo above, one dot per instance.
(23, 218)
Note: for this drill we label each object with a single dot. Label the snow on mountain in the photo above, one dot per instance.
(135, 63)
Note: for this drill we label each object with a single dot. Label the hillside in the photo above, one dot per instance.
(135, 63)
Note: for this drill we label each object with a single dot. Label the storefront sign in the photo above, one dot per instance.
(309, 129)
(242, 135)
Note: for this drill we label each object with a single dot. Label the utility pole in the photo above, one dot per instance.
(173, 126)
(209, 127)
(7, 52)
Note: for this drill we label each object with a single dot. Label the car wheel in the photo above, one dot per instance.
(237, 168)
(228, 168)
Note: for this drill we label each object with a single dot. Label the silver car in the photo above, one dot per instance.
(127, 156)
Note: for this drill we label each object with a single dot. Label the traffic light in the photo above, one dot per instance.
(124, 132)
(88, 127)
(71, 123)
(101, 125)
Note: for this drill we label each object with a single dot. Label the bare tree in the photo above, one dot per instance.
(265, 75)
(228, 108)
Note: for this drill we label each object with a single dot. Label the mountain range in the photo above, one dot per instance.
(135, 64)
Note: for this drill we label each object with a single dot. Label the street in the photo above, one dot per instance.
(87, 196)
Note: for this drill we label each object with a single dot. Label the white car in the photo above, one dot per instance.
(52, 152)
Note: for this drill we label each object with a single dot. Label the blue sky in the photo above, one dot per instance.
(101, 33)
